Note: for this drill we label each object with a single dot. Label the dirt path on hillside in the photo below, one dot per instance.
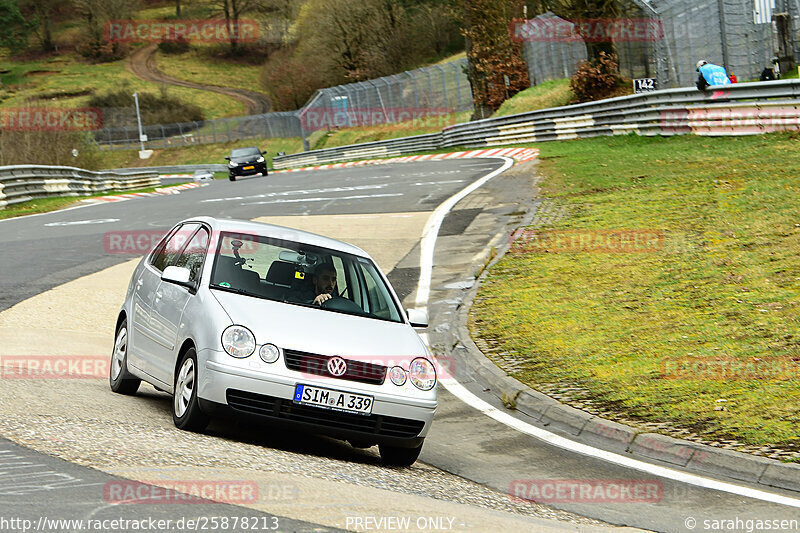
(142, 64)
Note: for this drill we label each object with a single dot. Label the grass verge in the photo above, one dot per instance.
(646, 336)
(551, 93)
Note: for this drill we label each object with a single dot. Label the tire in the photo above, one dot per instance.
(186, 412)
(232, 178)
(121, 381)
(396, 456)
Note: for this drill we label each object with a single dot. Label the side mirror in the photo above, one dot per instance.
(417, 317)
(178, 276)
(263, 153)
(228, 158)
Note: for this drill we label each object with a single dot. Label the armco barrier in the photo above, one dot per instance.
(20, 183)
(388, 148)
(738, 109)
(172, 169)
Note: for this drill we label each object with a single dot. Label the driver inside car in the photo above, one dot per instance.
(324, 284)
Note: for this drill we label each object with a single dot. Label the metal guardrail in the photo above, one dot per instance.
(738, 109)
(172, 169)
(387, 148)
(20, 183)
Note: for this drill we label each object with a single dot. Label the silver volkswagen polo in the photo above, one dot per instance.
(280, 325)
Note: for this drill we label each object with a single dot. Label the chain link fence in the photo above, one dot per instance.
(739, 34)
(426, 95)
(421, 94)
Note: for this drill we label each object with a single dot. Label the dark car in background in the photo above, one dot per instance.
(246, 162)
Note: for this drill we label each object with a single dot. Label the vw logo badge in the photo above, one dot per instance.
(337, 366)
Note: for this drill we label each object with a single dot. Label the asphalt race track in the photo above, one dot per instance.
(62, 271)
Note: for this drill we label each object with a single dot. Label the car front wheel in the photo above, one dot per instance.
(122, 381)
(232, 178)
(396, 456)
(186, 413)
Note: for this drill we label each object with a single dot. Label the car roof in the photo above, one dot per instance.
(278, 232)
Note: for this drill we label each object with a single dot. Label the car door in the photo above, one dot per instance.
(147, 281)
(150, 342)
(170, 300)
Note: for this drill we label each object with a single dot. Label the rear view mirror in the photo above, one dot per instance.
(417, 317)
(178, 276)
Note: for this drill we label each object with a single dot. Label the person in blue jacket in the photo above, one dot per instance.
(711, 74)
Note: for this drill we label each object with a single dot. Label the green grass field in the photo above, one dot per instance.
(722, 287)
(552, 93)
(68, 81)
(200, 67)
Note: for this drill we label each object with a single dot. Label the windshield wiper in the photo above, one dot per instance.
(232, 289)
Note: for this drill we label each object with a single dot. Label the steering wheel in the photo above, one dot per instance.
(342, 304)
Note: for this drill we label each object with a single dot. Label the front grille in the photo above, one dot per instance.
(310, 363)
(269, 406)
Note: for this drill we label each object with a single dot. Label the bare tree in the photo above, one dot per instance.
(233, 11)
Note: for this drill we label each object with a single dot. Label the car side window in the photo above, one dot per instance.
(194, 253)
(380, 301)
(167, 255)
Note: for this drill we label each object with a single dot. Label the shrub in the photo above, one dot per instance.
(101, 51)
(174, 46)
(595, 79)
(36, 147)
(155, 109)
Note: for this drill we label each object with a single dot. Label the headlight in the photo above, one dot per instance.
(397, 375)
(422, 373)
(260, 160)
(269, 353)
(233, 164)
(238, 341)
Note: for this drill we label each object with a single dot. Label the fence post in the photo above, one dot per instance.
(723, 32)
(380, 99)
(416, 92)
(389, 92)
(444, 85)
(163, 136)
(457, 69)
(430, 87)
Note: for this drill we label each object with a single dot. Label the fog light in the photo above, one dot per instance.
(397, 375)
(269, 353)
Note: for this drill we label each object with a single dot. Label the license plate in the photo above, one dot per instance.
(251, 167)
(333, 399)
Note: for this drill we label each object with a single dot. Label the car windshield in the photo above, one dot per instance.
(296, 273)
(244, 152)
